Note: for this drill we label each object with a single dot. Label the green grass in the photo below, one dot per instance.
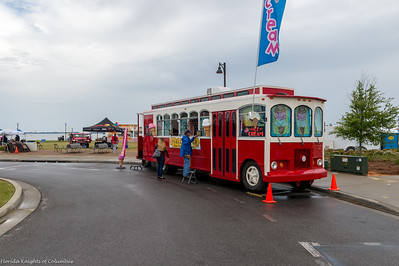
(6, 192)
(380, 155)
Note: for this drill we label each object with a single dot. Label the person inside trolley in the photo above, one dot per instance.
(186, 151)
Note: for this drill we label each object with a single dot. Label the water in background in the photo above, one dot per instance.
(53, 136)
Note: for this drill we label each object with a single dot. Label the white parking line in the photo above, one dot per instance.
(309, 247)
(271, 219)
(239, 201)
(372, 244)
(210, 189)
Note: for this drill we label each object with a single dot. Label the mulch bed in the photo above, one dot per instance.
(381, 167)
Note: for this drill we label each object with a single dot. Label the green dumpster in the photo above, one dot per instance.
(349, 164)
(326, 164)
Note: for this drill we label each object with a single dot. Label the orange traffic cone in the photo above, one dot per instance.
(16, 149)
(269, 195)
(334, 184)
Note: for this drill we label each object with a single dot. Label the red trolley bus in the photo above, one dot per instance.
(252, 135)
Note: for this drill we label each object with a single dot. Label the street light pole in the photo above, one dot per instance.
(222, 69)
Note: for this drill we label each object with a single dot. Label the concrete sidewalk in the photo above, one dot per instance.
(377, 192)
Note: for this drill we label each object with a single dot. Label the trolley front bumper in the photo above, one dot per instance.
(293, 176)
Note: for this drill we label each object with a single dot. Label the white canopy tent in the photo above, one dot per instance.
(10, 132)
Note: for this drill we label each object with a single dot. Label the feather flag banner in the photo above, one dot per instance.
(272, 15)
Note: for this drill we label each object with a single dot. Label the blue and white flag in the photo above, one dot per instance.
(272, 15)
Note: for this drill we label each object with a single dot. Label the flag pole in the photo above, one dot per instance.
(257, 54)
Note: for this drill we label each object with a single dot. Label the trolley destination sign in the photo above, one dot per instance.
(175, 142)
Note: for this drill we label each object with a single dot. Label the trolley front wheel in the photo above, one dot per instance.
(252, 177)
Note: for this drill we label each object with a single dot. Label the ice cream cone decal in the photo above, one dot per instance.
(255, 122)
(121, 156)
(151, 127)
(206, 124)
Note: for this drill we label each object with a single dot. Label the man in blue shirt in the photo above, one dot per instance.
(186, 151)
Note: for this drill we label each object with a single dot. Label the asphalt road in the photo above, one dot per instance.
(94, 214)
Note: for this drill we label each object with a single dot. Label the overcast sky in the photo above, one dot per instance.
(79, 61)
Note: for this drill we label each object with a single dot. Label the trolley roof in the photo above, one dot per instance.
(222, 93)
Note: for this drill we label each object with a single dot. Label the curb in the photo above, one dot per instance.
(50, 160)
(372, 204)
(15, 199)
(29, 202)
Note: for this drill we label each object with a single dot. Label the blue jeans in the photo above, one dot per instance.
(160, 162)
(186, 166)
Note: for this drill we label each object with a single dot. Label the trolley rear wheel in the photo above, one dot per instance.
(252, 177)
(169, 169)
(145, 163)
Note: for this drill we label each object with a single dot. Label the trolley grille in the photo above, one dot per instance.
(299, 155)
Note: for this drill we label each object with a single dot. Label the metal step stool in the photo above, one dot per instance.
(191, 175)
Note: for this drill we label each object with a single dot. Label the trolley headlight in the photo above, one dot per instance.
(303, 158)
(274, 165)
(319, 162)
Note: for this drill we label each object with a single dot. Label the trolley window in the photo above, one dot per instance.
(159, 125)
(280, 121)
(166, 124)
(241, 93)
(318, 122)
(175, 124)
(233, 161)
(227, 124)
(233, 125)
(303, 121)
(220, 125)
(214, 125)
(254, 127)
(217, 97)
(227, 160)
(194, 122)
(183, 123)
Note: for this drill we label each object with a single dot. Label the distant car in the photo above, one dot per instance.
(83, 139)
(353, 148)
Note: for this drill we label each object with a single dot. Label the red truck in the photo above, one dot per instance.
(83, 139)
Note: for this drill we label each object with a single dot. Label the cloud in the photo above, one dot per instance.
(60, 59)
